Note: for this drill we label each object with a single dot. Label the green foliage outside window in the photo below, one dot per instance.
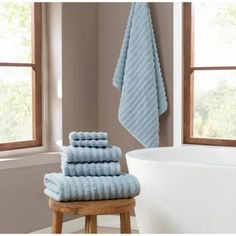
(15, 83)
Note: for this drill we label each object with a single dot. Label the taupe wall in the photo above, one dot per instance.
(23, 206)
(79, 67)
(112, 22)
(73, 68)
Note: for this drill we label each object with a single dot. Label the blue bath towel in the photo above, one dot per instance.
(65, 188)
(86, 154)
(138, 76)
(87, 135)
(91, 169)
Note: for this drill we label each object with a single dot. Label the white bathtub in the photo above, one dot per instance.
(185, 189)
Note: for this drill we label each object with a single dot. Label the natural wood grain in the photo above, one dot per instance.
(17, 64)
(21, 144)
(57, 219)
(188, 80)
(90, 209)
(91, 224)
(102, 207)
(125, 227)
(213, 68)
(211, 141)
(37, 73)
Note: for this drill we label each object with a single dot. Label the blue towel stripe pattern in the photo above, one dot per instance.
(64, 188)
(89, 143)
(86, 154)
(91, 169)
(87, 135)
(90, 173)
(138, 76)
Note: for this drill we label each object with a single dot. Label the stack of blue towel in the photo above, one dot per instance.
(90, 171)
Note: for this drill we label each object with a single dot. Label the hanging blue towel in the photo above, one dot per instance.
(65, 188)
(138, 76)
(86, 154)
(91, 169)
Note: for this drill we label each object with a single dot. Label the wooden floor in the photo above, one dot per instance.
(105, 230)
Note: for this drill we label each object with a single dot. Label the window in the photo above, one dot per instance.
(210, 73)
(20, 75)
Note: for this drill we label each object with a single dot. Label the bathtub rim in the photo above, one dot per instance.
(139, 155)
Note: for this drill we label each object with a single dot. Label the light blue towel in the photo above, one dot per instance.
(91, 169)
(138, 76)
(89, 143)
(65, 188)
(86, 154)
(87, 135)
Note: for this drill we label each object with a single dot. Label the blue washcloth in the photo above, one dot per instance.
(138, 76)
(91, 169)
(89, 143)
(88, 139)
(87, 135)
(86, 154)
(65, 188)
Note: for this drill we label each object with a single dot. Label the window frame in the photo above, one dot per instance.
(188, 68)
(36, 66)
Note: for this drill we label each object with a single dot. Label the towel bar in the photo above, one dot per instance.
(90, 209)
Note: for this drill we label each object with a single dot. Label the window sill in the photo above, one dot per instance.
(207, 146)
(29, 160)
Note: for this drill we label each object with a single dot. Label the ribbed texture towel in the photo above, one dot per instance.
(65, 188)
(91, 169)
(138, 76)
(88, 139)
(86, 154)
(89, 143)
(87, 135)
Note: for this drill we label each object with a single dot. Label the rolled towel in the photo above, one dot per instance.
(65, 188)
(86, 154)
(91, 169)
(100, 143)
(87, 135)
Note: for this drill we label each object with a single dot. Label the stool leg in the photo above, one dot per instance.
(125, 227)
(57, 218)
(90, 224)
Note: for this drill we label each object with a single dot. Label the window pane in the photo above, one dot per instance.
(15, 32)
(215, 104)
(16, 104)
(214, 33)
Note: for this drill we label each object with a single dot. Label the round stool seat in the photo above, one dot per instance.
(101, 207)
(90, 209)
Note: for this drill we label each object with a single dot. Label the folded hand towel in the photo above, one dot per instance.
(65, 188)
(91, 169)
(87, 135)
(86, 154)
(138, 76)
(89, 143)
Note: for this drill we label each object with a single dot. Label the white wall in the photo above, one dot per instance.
(54, 40)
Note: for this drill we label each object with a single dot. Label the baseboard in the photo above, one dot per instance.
(112, 221)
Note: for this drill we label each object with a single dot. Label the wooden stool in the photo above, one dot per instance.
(90, 209)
